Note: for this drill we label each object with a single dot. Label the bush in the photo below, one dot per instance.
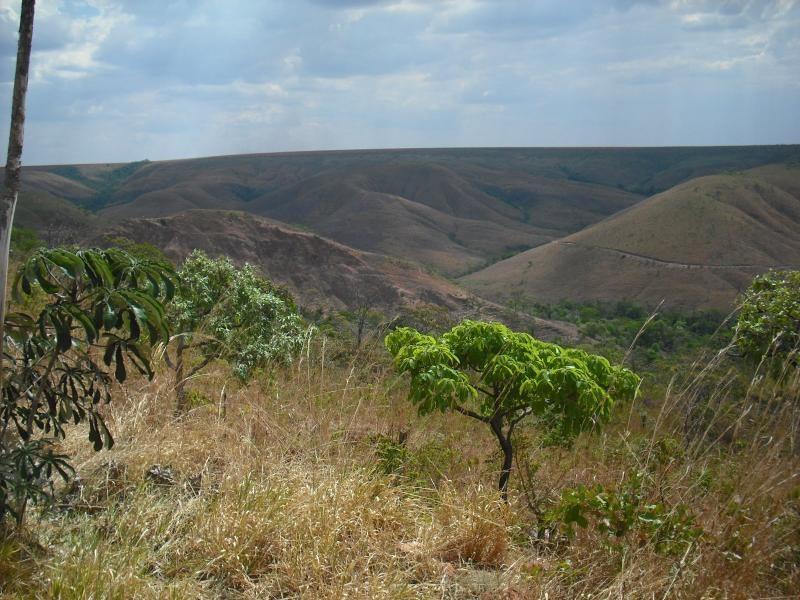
(225, 312)
(617, 513)
(769, 320)
(95, 300)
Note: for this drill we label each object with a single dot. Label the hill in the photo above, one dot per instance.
(425, 213)
(696, 245)
(453, 210)
(445, 214)
(58, 221)
(323, 275)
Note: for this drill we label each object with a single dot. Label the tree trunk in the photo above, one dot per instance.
(180, 378)
(508, 455)
(8, 201)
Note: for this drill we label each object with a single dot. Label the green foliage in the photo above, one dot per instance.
(235, 314)
(422, 467)
(490, 370)
(616, 324)
(770, 316)
(195, 398)
(617, 513)
(500, 377)
(392, 455)
(668, 344)
(102, 314)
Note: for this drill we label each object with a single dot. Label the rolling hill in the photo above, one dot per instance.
(574, 221)
(426, 212)
(452, 210)
(58, 221)
(323, 275)
(696, 245)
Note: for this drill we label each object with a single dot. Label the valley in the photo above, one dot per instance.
(690, 226)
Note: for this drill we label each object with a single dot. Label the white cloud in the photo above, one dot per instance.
(124, 79)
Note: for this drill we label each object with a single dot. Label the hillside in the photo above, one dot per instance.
(424, 213)
(696, 246)
(452, 210)
(58, 221)
(323, 275)
(397, 205)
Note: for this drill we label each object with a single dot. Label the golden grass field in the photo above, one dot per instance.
(280, 490)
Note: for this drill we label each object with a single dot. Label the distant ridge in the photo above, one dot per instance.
(691, 225)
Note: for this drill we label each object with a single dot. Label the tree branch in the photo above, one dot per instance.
(519, 418)
(201, 366)
(36, 396)
(470, 413)
(487, 392)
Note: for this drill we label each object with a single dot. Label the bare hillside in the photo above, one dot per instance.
(322, 274)
(426, 214)
(453, 210)
(696, 245)
(574, 214)
(452, 218)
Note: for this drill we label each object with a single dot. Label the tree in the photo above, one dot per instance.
(499, 377)
(102, 315)
(769, 320)
(13, 171)
(230, 313)
(363, 316)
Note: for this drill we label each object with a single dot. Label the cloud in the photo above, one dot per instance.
(127, 79)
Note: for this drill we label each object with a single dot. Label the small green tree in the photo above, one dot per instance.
(222, 311)
(499, 377)
(769, 320)
(101, 315)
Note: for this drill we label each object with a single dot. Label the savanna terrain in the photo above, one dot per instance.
(318, 477)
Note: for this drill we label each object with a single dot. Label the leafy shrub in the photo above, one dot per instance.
(235, 314)
(421, 466)
(392, 455)
(617, 513)
(770, 316)
(102, 314)
(196, 398)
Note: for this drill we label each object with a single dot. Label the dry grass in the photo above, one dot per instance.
(282, 495)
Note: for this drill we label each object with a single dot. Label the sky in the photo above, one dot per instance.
(125, 80)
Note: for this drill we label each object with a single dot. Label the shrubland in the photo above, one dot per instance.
(667, 340)
(318, 478)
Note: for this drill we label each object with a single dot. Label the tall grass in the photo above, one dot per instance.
(320, 481)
